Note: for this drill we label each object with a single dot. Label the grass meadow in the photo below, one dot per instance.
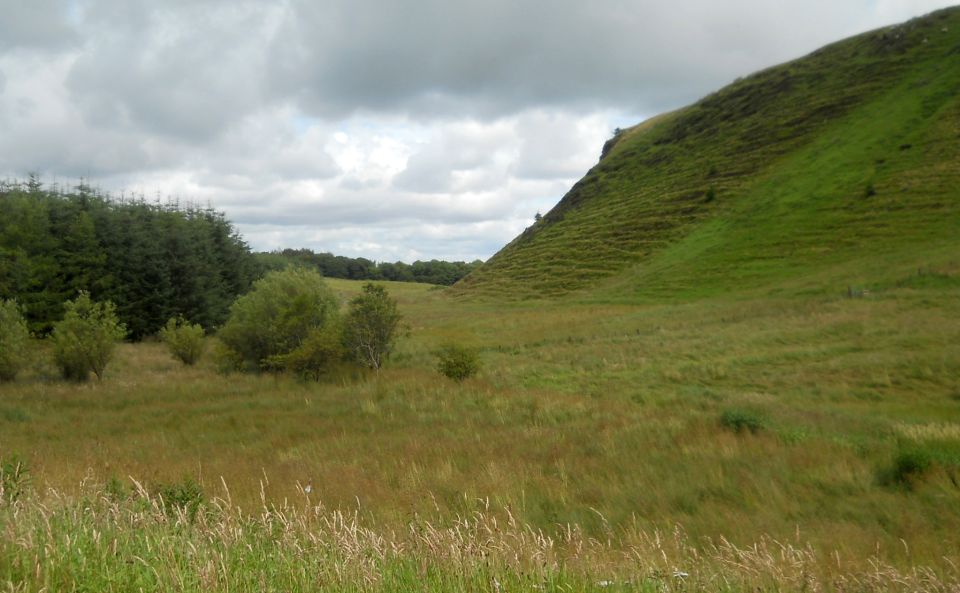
(725, 444)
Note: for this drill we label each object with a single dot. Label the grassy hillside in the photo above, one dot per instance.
(841, 168)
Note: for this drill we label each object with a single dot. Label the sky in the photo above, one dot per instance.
(386, 129)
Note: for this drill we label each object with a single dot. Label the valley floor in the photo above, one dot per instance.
(828, 422)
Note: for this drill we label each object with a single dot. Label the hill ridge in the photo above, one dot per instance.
(884, 104)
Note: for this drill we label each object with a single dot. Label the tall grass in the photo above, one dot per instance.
(604, 416)
(98, 543)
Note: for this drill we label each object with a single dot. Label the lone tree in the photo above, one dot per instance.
(86, 337)
(371, 326)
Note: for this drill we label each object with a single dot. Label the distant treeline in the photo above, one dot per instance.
(153, 261)
(338, 266)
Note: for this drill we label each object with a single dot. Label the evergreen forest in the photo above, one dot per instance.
(153, 260)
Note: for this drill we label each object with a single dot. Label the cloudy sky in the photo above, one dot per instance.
(389, 129)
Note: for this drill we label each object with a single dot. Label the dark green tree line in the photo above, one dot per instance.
(153, 261)
(339, 266)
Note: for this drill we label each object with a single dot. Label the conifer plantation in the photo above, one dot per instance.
(153, 261)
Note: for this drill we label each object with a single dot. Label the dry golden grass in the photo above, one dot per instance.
(101, 543)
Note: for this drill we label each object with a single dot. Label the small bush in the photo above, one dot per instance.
(14, 415)
(14, 340)
(458, 362)
(185, 496)
(909, 466)
(740, 421)
(317, 355)
(14, 478)
(85, 340)
(183, 339)
(225, 359)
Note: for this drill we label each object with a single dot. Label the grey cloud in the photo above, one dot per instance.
(98, 155)
(353, 183)
(494, 57)
(38, 25)
(41, 133)
(268, 149)
(184, 70)
(284, 207)
(330, 206)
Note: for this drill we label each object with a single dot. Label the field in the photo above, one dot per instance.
(609, 444)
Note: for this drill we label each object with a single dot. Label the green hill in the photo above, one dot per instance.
(837, 170)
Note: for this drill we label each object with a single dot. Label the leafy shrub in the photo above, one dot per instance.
(183, 339)
(909, 465)
(275, 318)
(14, 340)
(184, 496)
(740, 421)
(14, 478)
(319, 353)
(85, 340)
(458, 362)
(225, 359)
(371, 326)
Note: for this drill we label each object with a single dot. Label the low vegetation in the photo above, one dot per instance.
(14, 479)
(457, 362)
(174, 541)
(185, 340)
(14, 340)
(85, 339)
(741, 421)
(593, 415)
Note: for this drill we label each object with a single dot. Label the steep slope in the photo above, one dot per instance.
(846, 160)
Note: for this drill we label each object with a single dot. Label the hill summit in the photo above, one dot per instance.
(840, 167)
